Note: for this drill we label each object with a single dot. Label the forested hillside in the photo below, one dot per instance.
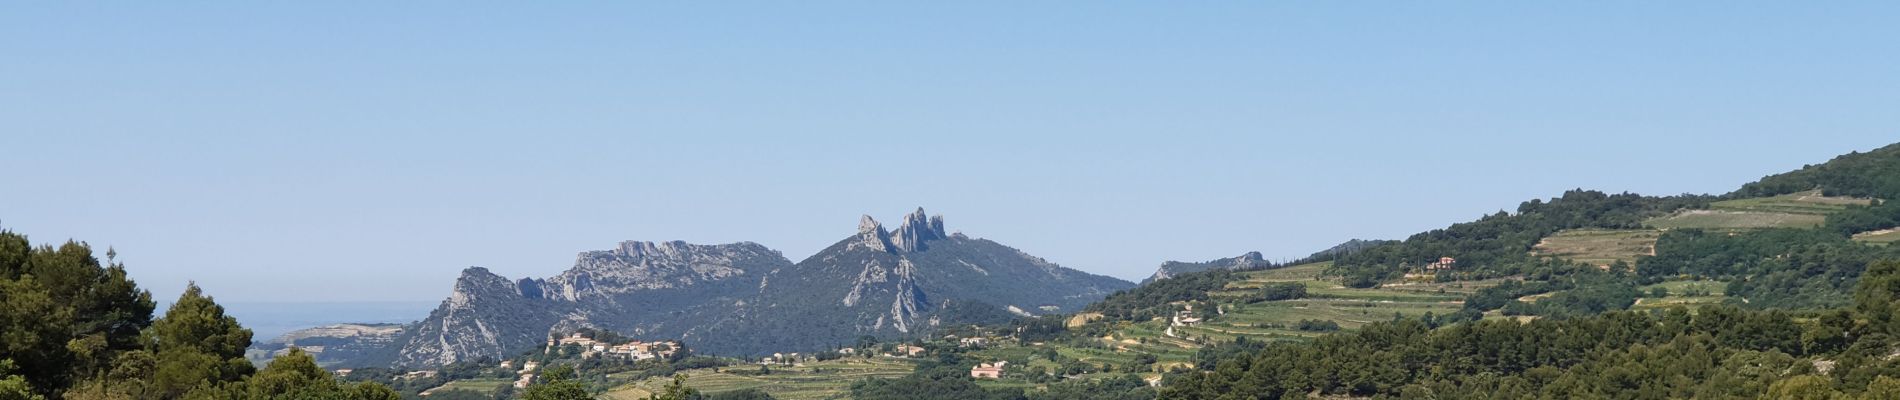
(72, 327)
(1785, 288)
(1711, 352)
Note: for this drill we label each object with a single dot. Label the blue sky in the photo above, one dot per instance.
(369, 151)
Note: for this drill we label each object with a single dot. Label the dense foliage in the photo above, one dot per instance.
(1151, 300)
(1714, 352)
(1277, 292)
(72, 327)
(1871, 174)
(1499, 244)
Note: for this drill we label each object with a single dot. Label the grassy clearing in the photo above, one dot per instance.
(820, 380)
(1809, 202)
(1732, 220)
(1795, 210)
(1682, 293)
(483, 386)
(1599, 247)
(1880, 237)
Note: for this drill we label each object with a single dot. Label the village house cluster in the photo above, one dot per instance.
(634, 350)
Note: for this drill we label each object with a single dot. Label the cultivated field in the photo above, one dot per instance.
(1600, 247)
(1729, 220)
(1682, 293)
(483, 386)
(1326, 300)
(1795, 210)
(819, 380)
(1881, 237)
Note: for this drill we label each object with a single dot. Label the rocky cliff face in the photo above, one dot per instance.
(1172, 268)
(744, 298)
(645, 288)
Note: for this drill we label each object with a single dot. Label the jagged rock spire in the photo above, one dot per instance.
(872, 235)
(916, 230)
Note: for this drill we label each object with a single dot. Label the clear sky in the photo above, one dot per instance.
(319, 151)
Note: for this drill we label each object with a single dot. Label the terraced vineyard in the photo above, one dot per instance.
(1326, 300)
(819, 380)
(1794, 210)
(1600, 247)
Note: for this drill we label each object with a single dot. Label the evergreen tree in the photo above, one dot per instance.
(196, 345)
(676, 390)
(64, 316)
(557, 383)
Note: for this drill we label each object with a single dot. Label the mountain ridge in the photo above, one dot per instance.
(746, 298)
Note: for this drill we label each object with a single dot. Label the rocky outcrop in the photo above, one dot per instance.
(917, 230)
(1172, 268)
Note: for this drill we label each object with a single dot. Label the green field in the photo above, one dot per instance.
(1600, 247)
(1795, 210)
(1881, 237)
(1682, 293)
(1809, 202)
(483, 386)
(785, 382)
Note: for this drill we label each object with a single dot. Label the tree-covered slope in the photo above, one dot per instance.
(1171, 269)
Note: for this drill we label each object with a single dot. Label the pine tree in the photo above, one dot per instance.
(197, 344)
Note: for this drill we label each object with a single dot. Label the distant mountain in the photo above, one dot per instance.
(647, 289)
(331, 343)
(906, 281)
(1175, 268)
(744, 298)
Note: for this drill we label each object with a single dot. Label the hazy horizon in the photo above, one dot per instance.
(321, 153)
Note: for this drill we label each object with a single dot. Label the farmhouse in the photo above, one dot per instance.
(908, 351)
(1186, 317)
(988, 370)
(1444, 263)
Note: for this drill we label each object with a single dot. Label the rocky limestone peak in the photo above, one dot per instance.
(478, 277)
(638, 249)
(1252, 257)
(872, 235)
(478, 282)
(917, 229)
